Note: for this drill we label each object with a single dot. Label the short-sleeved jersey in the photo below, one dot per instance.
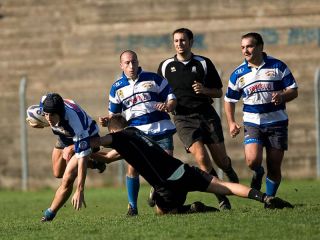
(76, 125)
(135, 99)
(145, 155)
(255, 86)
(182, 75)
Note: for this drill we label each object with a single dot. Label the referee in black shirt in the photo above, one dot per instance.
(195, 81)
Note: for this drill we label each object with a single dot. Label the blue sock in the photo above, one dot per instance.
(133, 186)
(271, 187)
(49, 215)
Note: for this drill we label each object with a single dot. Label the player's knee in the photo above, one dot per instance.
(253, 163)
(57, 173)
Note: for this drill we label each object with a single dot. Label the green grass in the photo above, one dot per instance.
(104, 217)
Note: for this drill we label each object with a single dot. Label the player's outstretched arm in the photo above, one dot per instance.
(104, 141)
(78, 196)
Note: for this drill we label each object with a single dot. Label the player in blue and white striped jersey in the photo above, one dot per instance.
(265, 84)
(64, 147)
(75, 128)
(143, 102)
(144, 99)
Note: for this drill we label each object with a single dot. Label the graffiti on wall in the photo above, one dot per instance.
(271, 36)
(154, 42)
(294, 36)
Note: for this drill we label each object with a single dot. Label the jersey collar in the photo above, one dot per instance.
(264, 60)
(177, 60)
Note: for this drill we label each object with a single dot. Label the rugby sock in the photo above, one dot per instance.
(256, 195)
(271, 187)
(49, 214)
(259, 170)
(231, 174)
(133, 186)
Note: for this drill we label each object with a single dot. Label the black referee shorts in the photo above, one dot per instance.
(199, 127)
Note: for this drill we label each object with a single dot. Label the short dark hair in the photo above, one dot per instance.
(128, 51)
(53, 103)
(186, 31)
(116, 122)
(256, 36)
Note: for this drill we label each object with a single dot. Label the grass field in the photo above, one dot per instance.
(104, 217)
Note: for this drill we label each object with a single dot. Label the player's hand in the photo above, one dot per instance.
(34, 125)
(103, 121)
(78, 199)
(198, 87)
(277, 98)
(68, 152)
(234, 129)
(162, 107)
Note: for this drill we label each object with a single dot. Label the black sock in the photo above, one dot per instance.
(229, 165)
(213, 172)
(256, 195)
(229, 169)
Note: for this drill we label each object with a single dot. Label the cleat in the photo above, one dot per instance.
(132, 211)
(48, 216)
(256, 180)
(151, 201)
(271, 202)
(225, 204)
(197, 207)
(44, 219)
(232, 176)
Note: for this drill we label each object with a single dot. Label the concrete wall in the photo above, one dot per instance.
(73, 47)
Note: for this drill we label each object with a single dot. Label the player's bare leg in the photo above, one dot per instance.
(202, 158)
(254, 155)
(58, 163)
(64, 191)
(223, 161)
(218, 186)
(273, 179)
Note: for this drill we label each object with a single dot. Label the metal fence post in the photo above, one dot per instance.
(121, 173)
(23, 134)
(218, 107)
(317, 113)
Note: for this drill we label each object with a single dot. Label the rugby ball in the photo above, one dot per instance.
(35, 115)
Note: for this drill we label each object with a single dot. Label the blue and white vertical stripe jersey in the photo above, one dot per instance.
(255, 86)
(135, 99)
(78, 125)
